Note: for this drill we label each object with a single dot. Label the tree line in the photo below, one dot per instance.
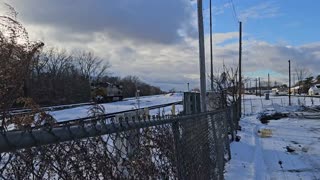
(59, 77)
(131, 84)
(52, 76)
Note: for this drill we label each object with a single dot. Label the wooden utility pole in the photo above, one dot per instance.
(289, 83)
(240, 49)
(202, 58)
(211, 55)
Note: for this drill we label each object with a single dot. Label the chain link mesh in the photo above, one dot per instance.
(150, 147)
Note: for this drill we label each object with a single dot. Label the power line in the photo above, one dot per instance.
(235, 16)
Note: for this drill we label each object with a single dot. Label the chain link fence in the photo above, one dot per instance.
(255, 105)
(141, 147)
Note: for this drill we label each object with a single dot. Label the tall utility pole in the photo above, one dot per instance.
(211, 55)
(268, 81)
(256, 86)
(289, 83)
(202, 58)
(259, 87)
(240, 49)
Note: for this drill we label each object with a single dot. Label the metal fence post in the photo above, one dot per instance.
(226, 132)
(239, 116)
(178, 157)
(230, 116)
(251, 106)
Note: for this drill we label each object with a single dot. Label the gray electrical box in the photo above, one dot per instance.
(191, 102)
(267, 95)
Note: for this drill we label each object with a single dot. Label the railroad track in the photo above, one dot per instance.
(111, 115)
(24, 111)
(90, 119)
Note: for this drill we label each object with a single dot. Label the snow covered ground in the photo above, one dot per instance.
(261, 155)
(254, 104)
(126, 104)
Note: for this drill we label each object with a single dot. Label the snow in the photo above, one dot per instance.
(266, 157)
(126, 104)
(254, 104)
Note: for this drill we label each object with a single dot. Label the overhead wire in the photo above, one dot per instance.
(235, 15)
(235, 18)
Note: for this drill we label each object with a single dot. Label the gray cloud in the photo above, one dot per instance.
(266, 57)
(149, 20)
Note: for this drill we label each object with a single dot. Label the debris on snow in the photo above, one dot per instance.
(290, 149)
(265, 133)
(238, 138)
(265, 116)
(269, 158)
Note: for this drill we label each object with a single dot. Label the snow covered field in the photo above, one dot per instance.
(126, 104)
(253, 104)
(261, 155)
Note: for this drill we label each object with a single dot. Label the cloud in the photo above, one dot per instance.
(216, 10)
(173, 65)
(260, 11)
(220, 38)
(157, 21)
(274, 57)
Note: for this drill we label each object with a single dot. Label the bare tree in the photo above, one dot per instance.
(301, 74)
(61, 77)
(57, 61)
(57, 79)
(225, 86)
(130, 85)
(91, 66)
(16, 59)
(16, 55)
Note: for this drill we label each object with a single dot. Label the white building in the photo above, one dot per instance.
(295, 90)
(279, 91)
(314, 90)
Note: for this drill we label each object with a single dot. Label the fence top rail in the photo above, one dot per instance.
(24, 112)
(262, 98)
(93, 118)
(97, 126)
(125, 119)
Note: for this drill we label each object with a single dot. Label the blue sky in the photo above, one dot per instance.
(292, 22)
(285, 25)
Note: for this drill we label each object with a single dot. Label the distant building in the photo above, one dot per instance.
(279, 91)
(295, 90)
(314, 90)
